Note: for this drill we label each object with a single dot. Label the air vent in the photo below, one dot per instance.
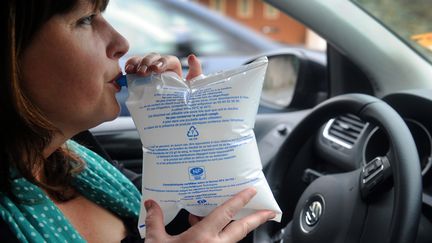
(344, 130)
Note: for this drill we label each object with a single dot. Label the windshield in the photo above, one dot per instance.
(411, 20)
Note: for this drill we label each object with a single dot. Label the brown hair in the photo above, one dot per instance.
(25, 131)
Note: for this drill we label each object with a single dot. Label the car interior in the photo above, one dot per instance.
(348, 156)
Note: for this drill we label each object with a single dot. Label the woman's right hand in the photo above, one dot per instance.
(154, 62)
(216, 227)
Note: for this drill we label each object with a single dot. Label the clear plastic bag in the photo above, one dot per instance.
(199, 148)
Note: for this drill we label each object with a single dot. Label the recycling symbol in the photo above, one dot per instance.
(192, 132)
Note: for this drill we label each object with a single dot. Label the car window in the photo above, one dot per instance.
(155, 26)
(410, 20)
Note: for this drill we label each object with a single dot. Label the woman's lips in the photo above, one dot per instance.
(117, 86)
(113, 82)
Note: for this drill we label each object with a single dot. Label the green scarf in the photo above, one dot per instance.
(35, 218)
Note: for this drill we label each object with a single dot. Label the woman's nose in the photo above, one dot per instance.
(118, 45)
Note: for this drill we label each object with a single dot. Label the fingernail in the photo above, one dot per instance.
(129, 68)
(148, 204)
(252, 190)
(142, 68)
(191, 56)
(158, 64)
(271, 215)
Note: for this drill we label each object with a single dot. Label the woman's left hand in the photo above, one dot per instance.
(157, 63)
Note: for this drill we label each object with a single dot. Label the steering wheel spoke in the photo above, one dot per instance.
(284, 235)
(374, 177)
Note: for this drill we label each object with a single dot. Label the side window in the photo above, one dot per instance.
(154, 27)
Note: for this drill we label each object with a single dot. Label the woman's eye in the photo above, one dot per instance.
(86, 20)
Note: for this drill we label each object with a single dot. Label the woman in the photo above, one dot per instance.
(58, 71)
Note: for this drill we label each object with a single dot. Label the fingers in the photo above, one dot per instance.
(194, 67)
(153, 62)
(217, 226)
(223, 214)
(155, 228)
(132, 64)
(237, 230)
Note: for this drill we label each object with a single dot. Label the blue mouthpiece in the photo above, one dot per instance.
(122, 81)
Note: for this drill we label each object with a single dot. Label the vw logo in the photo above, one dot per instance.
(312, 213)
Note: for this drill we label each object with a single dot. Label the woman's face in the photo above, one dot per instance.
(69, 68)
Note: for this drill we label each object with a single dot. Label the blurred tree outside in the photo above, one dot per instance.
(410, 19)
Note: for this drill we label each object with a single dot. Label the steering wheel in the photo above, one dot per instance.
(379, 202)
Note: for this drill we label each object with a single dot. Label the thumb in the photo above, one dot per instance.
(193, 219)
(194, 67)
(155, 228)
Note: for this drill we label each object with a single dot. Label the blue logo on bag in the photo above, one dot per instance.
(196, 173)
(201, 201)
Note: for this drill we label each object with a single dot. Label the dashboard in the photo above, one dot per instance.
(346, 142)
